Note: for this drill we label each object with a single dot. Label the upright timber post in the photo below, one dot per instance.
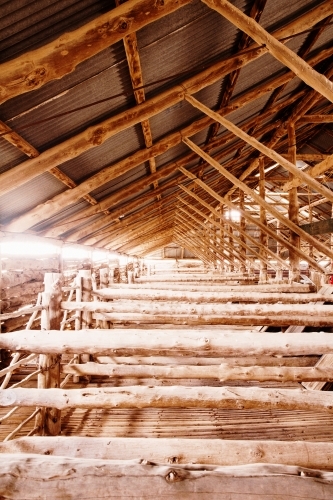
(48, 421)
(279, 272)
(294, 274)
(263, 220)
(86, 319)
(242, 225)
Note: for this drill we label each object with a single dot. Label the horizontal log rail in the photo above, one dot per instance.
(218, 296)
(205, 309)
(277, 320)
(171, 397)
(207, 342)
(265, 288)
(64, 477)
(222, 372)
(179, 450)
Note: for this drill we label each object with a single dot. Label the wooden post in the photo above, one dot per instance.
(294, 274)
(242, 225)
(48, 420)
(86, 321)
(279, 272)
(263, 220)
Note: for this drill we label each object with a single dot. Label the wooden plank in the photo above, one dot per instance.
(63, 477)
(309, 454)
(203, 342)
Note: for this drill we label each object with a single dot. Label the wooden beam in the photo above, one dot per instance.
(316, 243)
(63, 477)
(171, 397)
(45, 210)
(254, 221)
(212, 296)
(278, 50)
(316, 119)
(60, 57)
(300, 174)
(222, 372)
(317, 455)
(95, 136)
(320, 227)
(194, 342)
(315, 171)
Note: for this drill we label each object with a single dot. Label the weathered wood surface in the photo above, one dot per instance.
(278, 320)
(205, 309)
(282, 53)
(61, 56)
(320, 227)
(171, 397)
(199, 297)
(31, 476)
(126, 342)
(207, 277)
(204, 361)
(222, 372)
(309, 454)
(265, 288)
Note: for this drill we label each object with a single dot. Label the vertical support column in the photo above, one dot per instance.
(222, 236)
(103, 283)
(242, 225)
(48, 420)
(86, 319)
(263, 220)
(294, 274)
(279, 272)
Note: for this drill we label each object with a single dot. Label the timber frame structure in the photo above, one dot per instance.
(146, 129)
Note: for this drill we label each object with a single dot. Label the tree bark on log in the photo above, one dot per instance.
(171, 397)
(199, 297)
(222, 372)
(126, 342)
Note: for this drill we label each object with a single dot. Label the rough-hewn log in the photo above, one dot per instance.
(48, 420)
(320, 227)
(265, 288)
(171, 397)
(60, 57)
(22, 475)
(206, 342)
(179, 451)
(204, 361)
(206, 309)
(315, 171)
(211, 296)
(222, 372)
(248, 319)
(277, 49)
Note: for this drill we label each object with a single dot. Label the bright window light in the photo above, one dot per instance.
(75, 253)
(26, 248)
(99, 255)
(233, 215)
(123, 260)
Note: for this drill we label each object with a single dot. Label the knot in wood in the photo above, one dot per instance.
(172, 476)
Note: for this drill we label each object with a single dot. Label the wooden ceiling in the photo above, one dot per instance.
(148, 123)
